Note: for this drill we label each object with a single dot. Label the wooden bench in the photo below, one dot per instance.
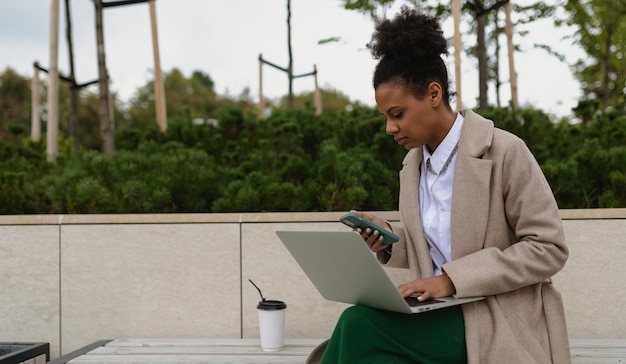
(189, 351)
(598, 351)
(226, 351)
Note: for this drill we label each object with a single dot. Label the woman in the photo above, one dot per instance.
(477, 218)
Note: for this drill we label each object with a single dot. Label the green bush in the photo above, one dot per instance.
(153, 179)
(290, 161)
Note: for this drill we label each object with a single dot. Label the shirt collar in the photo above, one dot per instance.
(441, 155)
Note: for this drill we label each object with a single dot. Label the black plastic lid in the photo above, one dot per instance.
(271, 305)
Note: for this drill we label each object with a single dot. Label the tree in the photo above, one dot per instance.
(482, 17)
(14, 102)
(375, 9)
(290, 52)
(88, 135)
(600, 31)
(106, 126)
(332, 100)
(481, 11)
(187, 98)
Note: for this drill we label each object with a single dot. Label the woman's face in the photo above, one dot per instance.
(410, 120)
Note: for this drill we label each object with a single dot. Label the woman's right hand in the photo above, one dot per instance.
(372, 238)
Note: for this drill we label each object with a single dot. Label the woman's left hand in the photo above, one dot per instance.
(433, 287)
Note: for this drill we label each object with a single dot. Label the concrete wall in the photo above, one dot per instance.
(73, 279)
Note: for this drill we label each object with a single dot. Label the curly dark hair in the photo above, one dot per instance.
(409, 48)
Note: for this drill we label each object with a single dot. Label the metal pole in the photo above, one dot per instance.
(52, 128)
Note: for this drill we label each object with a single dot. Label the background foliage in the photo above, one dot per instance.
(289, 161)
(219, 155)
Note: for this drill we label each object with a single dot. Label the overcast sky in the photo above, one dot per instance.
(224, 38)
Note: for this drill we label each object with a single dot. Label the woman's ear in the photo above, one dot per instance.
(435, 94)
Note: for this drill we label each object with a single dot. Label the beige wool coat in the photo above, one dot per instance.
(507, 241)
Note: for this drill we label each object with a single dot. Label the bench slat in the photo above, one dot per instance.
(598, 351)
(235, 351)
(197, 350)
(186, 359)
(145, 342)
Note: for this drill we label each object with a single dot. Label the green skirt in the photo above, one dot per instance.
(367, 335)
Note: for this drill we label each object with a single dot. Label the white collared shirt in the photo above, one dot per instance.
(435, 195)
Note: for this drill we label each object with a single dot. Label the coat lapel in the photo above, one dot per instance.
(470, 199)
(472, 178)
(409, 204)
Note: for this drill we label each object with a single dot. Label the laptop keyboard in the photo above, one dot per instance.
(413, 302)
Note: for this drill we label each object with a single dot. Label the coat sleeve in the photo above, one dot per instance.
(408, 177)
(534, 249)
(399, 257)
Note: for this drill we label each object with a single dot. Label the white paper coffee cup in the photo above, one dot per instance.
(272, 324)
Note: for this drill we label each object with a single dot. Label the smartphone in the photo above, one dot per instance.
(355, 221)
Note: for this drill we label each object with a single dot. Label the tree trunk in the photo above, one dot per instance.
(511, 48)
(496, 65)
(73, 127)
(606, 68)
(482, 63)
(290, 67)
(108, 142)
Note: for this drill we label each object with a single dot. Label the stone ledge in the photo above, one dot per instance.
(266, 217)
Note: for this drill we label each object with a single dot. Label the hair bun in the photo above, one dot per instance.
(409, 36)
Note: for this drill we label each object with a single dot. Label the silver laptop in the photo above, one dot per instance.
(343, 269)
